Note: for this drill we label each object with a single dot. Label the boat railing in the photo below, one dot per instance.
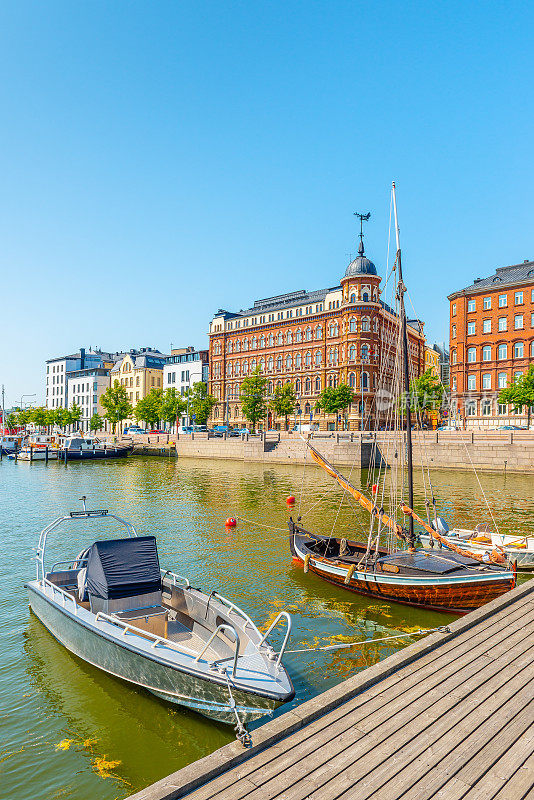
(239, 611)
(222, 627)
(175, 577)
(272, 626)
(143, 634)
(65, 596)
(80, 562)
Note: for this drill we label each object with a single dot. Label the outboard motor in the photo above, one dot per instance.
(440, 526)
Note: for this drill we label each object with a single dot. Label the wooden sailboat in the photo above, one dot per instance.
(454, 579)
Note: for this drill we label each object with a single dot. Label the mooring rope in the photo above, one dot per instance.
(344, 645)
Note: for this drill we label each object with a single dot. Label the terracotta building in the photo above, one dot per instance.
(491, 344)
(313, 340)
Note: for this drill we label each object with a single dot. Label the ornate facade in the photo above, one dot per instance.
(312, 340)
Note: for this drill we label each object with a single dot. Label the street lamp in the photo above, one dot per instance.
(26, 395)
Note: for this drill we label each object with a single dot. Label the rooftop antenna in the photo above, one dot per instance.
(363, 218)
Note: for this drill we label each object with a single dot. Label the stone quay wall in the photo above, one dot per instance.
(502, 451)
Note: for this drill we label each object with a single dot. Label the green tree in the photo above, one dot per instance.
(200, 402)
(283, 401)
(520, 393)
(12, 421)
(171, 406)
(115, 401)
(74, 412)
(334, 399)
(253, 397)
(62, 417)
(426, 392)
(25, 416)
(39, 416)
(96, 422)
(148, 408)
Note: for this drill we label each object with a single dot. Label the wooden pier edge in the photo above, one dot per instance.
(198, 773)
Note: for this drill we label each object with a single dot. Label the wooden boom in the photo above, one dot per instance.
(359, 496)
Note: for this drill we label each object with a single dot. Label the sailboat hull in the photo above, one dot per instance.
(458, 594)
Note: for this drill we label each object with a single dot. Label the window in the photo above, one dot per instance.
(487, 303)
(472, 354)
(365, 324)
(502, 323)
(517, 376)
(317, 384)
(503, 302)
(353, 298)
(318, 331)
(501, 409)
(471, 382)
(502, 352)
(365, 352)
(502, 380)
(454, 309)
(308, 359)
(308, 334)
(365, 380)
(352, 325)
(270, 363)
(298, 361)
(486, 326)
(518, 350)
(471, 305)
(486, 353)
(471, 408)
(307, 387)
(453, 357)
(352, 380)
(518, 298)
(454, 331)
(486, 381)
(352, 352)
(317, 358)
(471, 328)
(486, 408)
(288, 362)
(518, 321)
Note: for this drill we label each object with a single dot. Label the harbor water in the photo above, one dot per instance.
(71, 731)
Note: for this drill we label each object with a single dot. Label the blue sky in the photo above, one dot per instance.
(162, 160)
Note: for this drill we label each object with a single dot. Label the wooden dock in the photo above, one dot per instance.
(450, 717)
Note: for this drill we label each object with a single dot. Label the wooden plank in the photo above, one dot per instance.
(330, 728)
(514, 759)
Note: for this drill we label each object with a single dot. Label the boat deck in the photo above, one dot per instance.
(448, 718)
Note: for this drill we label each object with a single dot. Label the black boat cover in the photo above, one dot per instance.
(123, 567)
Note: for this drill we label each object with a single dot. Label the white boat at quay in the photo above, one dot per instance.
(113, 606)
(38, 447)
(519, 549)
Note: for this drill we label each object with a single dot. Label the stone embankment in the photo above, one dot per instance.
(497, 451)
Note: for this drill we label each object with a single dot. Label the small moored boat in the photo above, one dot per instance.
(114, 607)
(78, 448)
(38, 447)
(516, 548)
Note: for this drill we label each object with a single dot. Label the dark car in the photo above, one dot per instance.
(157, 430)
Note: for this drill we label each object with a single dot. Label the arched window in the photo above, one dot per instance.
(262, 340)
(365, 381)
(352, 353)
(518, 350)
(289, 337)
(331, 329)
(278, 384)
(365, 352)
(317, 384)
(254, 343)
(298, 386)
(307, 408)
(253, 365)
(270, 363)
(270, 387)
(280, 337)
(298, 335)
(245, 344)
(237, 346)
(486, 353)
(366, 324)
(532, 348)
(279, 363)
(229, 347)
(471, 354)
(317, 358)
(502, 352)
(365, 297)
(288, 362)
(308, 359)
(453, 357)
(308, 334)
(318, 331)
(375, 324)
(262, 365)
(237, 368)
(307, 386)
(353, 298)
(298, 361)
(271, 340)
(352, 325)
(352, 380)
(229, 368)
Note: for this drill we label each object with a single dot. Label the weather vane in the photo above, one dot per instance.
(363, 218)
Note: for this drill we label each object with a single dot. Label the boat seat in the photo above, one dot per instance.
(65, 579)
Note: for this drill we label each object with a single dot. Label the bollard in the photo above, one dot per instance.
(46, 454)
(31, 454)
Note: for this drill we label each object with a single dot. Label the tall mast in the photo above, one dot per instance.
(401, 288)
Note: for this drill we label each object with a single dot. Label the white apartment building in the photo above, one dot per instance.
(85, 388)
(183, 368)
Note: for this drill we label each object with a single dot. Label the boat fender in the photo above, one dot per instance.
(343, 547)
(350, 573)
(307, 562)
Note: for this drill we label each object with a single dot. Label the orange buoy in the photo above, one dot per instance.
(290, 500)
(231, 522)
(375, 488)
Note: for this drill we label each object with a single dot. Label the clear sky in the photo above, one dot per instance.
(160, 160)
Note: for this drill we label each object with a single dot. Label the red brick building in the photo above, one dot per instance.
(313, 340)
(491, 344)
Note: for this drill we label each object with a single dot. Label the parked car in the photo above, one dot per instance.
(447, 428)
(213, 432)
(511, 428)
(157, 430)
(184, 429)
(132, 429)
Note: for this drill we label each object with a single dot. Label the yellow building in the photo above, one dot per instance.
(432, 360)
(139, 371)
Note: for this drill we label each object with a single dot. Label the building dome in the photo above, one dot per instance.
(361, 265)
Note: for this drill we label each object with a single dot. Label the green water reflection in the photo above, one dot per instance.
(77, 733)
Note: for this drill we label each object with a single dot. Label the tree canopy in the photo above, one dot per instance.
(148, 408)
(283, 401)
(200, 402)
(96, 423)
(426, 392)
(253, 397)
(115, 401)
(334, 399)
(171, 406)
(520, 393)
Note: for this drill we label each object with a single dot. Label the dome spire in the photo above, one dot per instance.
(361, 264)
(363, 218)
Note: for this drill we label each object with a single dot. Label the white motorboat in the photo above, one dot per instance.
(38, 447)
(114, 607)
(11, 443)
(516, 548)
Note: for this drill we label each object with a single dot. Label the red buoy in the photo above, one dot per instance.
(375, 488)
(231, 522)
(290, 500)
